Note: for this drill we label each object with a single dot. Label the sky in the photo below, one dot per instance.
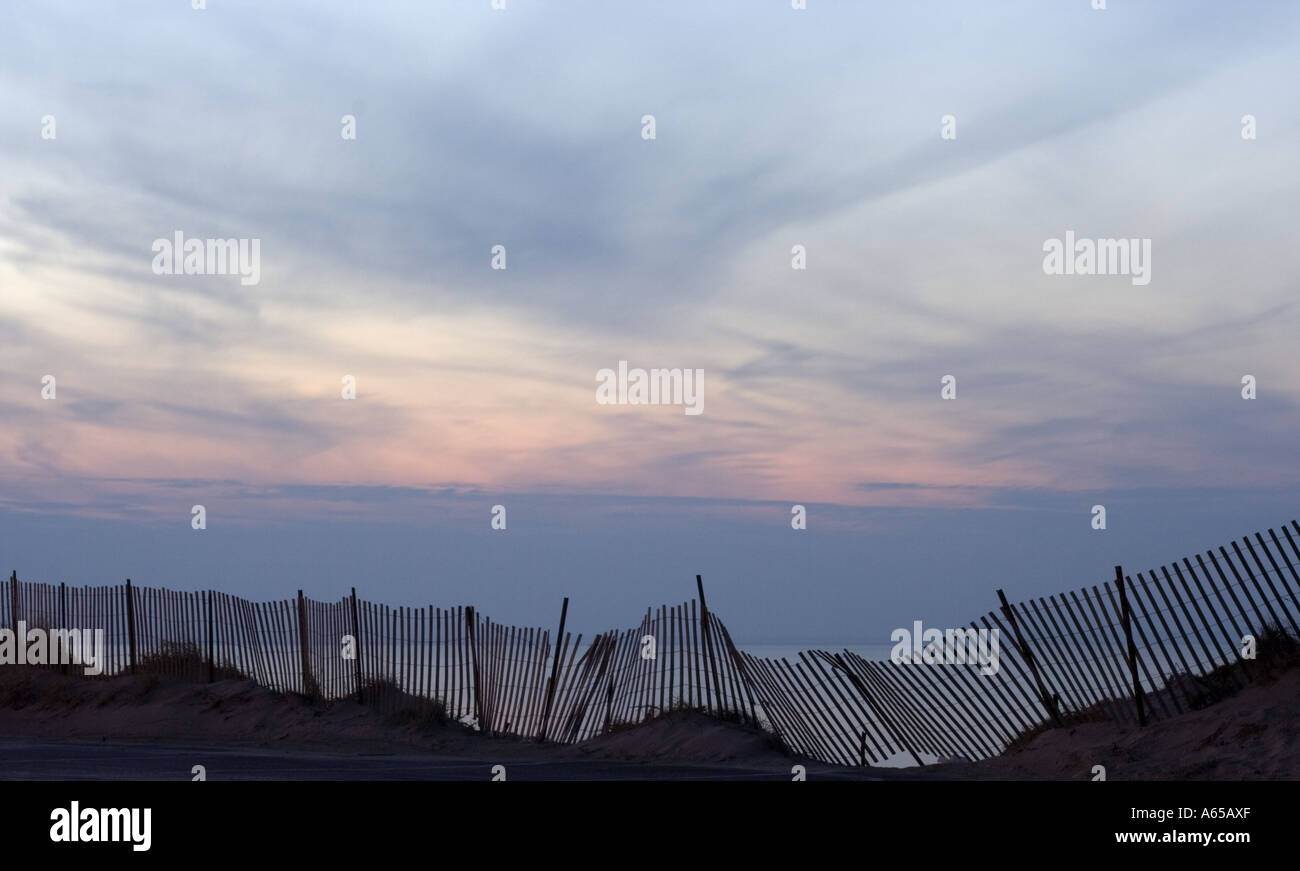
(523, 127)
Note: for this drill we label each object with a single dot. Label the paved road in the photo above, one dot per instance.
(80, 761)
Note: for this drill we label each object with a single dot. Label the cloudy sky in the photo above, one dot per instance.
(522, 127)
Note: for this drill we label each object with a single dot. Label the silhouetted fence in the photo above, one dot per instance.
(500, 679)
(1135, 648)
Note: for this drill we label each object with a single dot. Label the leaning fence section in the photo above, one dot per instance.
(1135, 648)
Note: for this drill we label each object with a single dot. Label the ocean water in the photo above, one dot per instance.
(791, 651)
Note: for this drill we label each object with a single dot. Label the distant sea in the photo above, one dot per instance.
(791, 651)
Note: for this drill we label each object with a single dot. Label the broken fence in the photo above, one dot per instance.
(1134, 648)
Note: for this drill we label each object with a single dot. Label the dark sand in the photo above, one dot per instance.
(1252, 735)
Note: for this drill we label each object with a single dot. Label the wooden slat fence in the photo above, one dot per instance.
(1064, 657)
(1149, 645)
(485, 674)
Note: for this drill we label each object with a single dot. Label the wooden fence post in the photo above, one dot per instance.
(555, 671)
(1126, 620)
(705, 626)
(1048, 700)
(13, 603)
(309, 687)
(130, 624)
(356, 645)
(212, 669)
(63, 613)
(471, 639)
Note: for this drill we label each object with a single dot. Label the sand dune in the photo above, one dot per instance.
(1252, 735)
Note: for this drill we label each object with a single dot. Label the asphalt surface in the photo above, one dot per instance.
(22, 759)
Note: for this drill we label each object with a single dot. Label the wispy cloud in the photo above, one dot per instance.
(523, 129)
